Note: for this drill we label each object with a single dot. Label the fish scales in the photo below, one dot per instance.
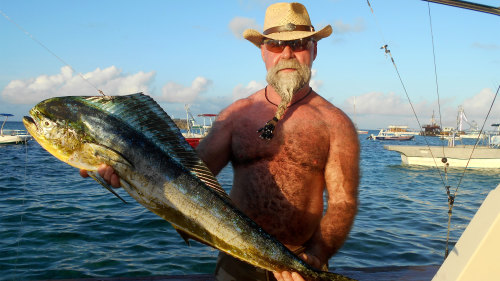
(160, 170)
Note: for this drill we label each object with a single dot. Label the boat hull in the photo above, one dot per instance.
(14, 139)
(398, 138)
(458, 156)
(193, 141)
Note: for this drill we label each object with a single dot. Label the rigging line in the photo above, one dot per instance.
(21, 223)
(451, 198)
(48, 50)
(435, 71)
(388, 52)
(477, 140)
(376, 22)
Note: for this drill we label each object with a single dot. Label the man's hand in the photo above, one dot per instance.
(107, 173)
(294, 276)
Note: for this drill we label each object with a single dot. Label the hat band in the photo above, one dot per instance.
(288, 27)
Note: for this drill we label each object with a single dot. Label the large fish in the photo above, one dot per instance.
(160, 170)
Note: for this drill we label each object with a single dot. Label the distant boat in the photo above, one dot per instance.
(196, 132)
(400, 130)
(481, 156)
(473, 132)
(432, 129)
(12, 136)
(390, 135)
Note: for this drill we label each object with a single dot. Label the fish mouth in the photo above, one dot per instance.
(30, 124)
(28, 120)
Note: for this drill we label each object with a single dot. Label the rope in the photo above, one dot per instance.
(48, 50)
(477, 140)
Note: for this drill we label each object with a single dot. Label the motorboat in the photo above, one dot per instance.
(12, 136)
(392, 135)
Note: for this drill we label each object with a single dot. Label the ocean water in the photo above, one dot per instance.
(56, 225)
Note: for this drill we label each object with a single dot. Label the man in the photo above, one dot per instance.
(283, 166)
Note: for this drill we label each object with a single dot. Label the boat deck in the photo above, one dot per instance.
(406, 273)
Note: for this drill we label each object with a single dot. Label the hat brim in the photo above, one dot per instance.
(257, 38)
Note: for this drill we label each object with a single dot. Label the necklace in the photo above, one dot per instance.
(268, 129)
(265, 94)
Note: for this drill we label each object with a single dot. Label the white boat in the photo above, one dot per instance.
(461, 156)
(476, 254)
(12, 136)
(400, 130)
(385, 135)
(394, 132)
(473, 132)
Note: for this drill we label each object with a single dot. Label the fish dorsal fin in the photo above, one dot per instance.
(145, 115)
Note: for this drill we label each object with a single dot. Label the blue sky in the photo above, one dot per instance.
(192, 52)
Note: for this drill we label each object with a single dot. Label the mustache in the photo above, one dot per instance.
(283, 64)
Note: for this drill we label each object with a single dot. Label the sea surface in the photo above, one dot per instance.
(56, 225)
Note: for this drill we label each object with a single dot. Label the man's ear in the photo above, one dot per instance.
(315, 50)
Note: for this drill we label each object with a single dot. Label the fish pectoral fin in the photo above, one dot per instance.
(186, 236)
(107, 154)
(100, 180)
(183, 234)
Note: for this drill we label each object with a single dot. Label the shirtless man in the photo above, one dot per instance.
(281, 172)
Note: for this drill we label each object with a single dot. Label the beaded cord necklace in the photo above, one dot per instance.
(267, 130)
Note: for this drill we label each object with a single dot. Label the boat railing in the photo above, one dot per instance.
(12, 132)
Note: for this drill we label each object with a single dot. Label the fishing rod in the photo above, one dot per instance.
(469, 6)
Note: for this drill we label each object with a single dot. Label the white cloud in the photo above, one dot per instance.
(341, 27)
(315, 84)
(239, 24)
(177, 93)
(491, 47)
(110, 80)
(378, 110)
(378, 103)
(240, 91)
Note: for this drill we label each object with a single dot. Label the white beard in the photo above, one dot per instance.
(287, 84)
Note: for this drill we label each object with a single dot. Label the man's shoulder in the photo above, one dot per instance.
(243, 104)
(327, 109)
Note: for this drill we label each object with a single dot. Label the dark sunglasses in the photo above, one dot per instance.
(277, 46)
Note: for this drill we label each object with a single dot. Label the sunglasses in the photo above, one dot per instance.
(277, 46)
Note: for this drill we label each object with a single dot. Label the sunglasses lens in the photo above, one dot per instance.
(277, 46)
(274, 46)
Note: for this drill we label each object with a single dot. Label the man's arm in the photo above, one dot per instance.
(341, 178)
(215, 148)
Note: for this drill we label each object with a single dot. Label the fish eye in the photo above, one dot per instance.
(47, 123)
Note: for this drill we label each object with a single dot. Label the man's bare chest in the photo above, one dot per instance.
(299, 143)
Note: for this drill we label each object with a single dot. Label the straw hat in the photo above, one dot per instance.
(286, 21)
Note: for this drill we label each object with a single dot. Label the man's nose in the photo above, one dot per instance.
(287, 53)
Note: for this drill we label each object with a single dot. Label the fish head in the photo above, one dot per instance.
(57, 126)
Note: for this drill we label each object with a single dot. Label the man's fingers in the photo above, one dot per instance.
(108, 173)
(83, 173)
(102, 170)
(115, 181)
(312, 260)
